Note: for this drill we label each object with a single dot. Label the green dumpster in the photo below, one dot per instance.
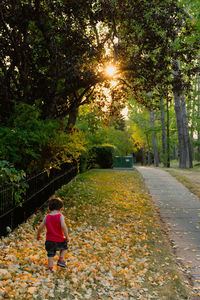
(124, 162)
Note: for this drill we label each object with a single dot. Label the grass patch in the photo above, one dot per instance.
(186, 181)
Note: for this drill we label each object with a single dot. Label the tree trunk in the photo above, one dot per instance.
(185, 155)
(189, 157)
(154, 142)
(72, 119)
(182, 144)
(192, 101)
(198, 125)
(164, 144)
(168, 140)
(144, 162)
(149, 150)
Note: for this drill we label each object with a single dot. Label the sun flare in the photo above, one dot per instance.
(110, 70)
(113, 82)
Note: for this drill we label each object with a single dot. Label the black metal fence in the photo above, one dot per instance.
(41, 187)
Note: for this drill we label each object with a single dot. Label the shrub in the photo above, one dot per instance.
(15, 179)
(33, 144)
(101, 156)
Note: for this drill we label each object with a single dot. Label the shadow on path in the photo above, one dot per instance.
(180, 212)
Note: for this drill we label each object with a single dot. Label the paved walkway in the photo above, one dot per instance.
(180, 211)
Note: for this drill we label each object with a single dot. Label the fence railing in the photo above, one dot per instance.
(41, 187)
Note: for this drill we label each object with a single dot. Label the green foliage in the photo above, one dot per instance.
(83, 162)
(34, 144)
(48, 52)
(101, 156)
(152, 35)
(52, 55)
(67, 146)
(121, 139)
(25, 137)
(14, 178)
(97, 132)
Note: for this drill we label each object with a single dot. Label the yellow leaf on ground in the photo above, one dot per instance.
(31, 290)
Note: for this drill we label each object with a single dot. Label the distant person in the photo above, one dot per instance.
(56, 233)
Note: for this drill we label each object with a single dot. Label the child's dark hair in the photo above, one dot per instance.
(55, 203)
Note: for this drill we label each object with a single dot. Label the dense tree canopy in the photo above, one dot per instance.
(49, 53)
(53, 56)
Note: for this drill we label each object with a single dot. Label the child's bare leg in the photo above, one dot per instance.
(62, 254)
(50, 262)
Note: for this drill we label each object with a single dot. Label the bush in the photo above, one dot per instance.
(15, 179)
(101, 156)
(25, 137)
(33, 144)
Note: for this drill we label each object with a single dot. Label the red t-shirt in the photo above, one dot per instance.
(54, 230)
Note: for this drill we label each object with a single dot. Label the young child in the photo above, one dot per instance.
(56, 234)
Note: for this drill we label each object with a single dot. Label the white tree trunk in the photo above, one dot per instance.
(198, 124)
(185, 153)
(164, 140)
(186, 133)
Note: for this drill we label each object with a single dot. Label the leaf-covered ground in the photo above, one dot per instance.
(116, 251)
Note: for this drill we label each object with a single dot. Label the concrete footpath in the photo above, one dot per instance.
(180, 212)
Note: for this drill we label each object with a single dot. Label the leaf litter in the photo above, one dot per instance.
(117, 249)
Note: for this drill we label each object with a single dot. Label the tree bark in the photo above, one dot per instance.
(198, 125)
(154, 142)
(164, 140)
(185, 153)
(149, 151)
(168, 138)
(72, 119)
(144, 162)
(189, 157)
(181, 139)
(192, 109)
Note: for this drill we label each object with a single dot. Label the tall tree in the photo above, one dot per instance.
(185, 150)
(154, 141)
(164, 135)
(49, 53)
(198, 118)
(157, 35)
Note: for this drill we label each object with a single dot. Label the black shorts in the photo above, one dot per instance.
(52, 247)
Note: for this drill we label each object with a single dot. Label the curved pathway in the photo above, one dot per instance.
(180, 212)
